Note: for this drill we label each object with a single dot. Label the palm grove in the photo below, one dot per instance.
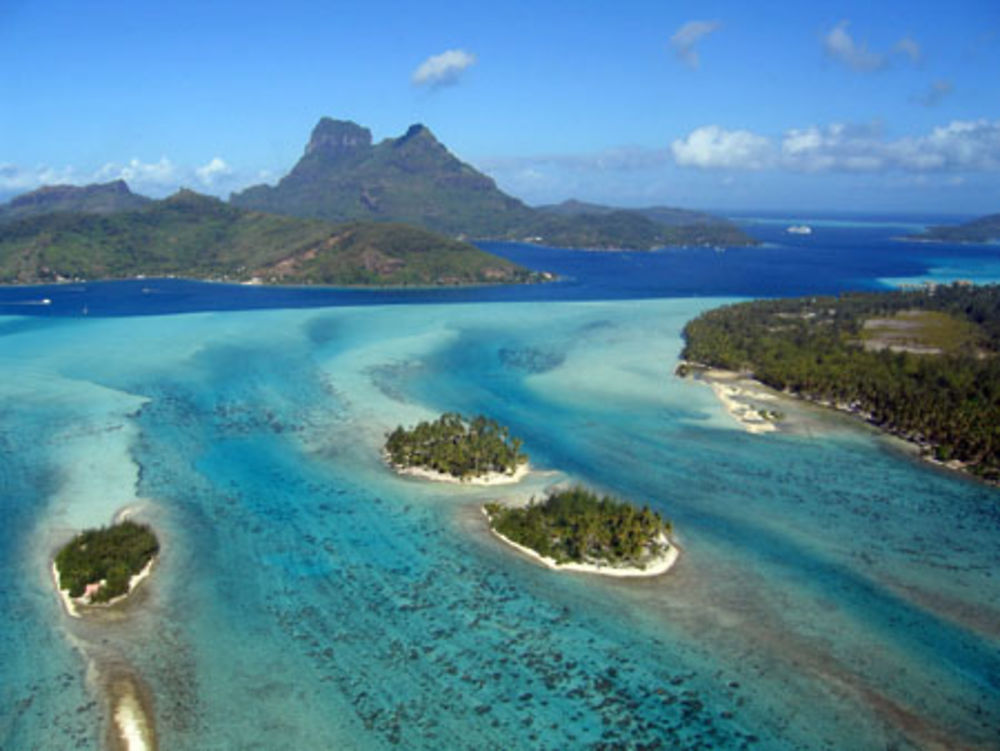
(111, 555)
(945, 397)
(576, 525)
(455, 446)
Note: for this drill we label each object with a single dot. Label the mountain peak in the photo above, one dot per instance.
(417, 134)
(336, 137)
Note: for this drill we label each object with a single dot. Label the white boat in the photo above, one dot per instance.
(799, 229)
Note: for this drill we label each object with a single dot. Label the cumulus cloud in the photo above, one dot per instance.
(443, 69)
(959, 146)
(14, 178)
(137, 173)
(216, 168)
(687, 36)
(936, 92)
(909, 47)
(156, 178)
(712, 146)
(840, 46)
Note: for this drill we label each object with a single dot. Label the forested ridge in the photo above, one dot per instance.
(944, 394)
(456, 446)
(577, 525)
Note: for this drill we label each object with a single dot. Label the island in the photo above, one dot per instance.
(982, 230)
(921, 364)
(577, 530)
(102, 566)
(196, 236)
(452, 448)
(343, 175)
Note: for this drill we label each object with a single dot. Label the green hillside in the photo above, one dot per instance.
(415, 179)
(195, 236)
(981, 230)
(105, 198)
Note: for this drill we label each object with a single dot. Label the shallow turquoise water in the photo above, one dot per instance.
(833, 592)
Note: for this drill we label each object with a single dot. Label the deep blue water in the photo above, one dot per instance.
(840, 255)
(833, 592)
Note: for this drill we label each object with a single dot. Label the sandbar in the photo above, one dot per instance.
(741, 397)
(131, 727)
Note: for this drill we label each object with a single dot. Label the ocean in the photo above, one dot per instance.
(833, 591)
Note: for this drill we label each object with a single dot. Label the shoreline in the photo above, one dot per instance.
(490, 479)
(746, 414)
(658, 565)
(736, 392)
(715, 378)
(71, 604)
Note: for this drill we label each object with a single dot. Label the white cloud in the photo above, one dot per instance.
(959, 146)
(443, 69)
(712, 146)
(841, 46)
(152, 178)
(216, 168)
(139, 173)
(910, 48)
(934, 94)
(14, 178)
(687, 36)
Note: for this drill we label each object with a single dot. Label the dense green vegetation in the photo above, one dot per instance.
(414, 179)
(577, 525)
(580, 224)
(981, 230)
(195, 236)
(105, 198)
(455, 446)
(622, 229)
(113, 554)
(939, 385)
(342, 176)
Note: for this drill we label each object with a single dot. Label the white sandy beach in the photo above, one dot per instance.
(656, 566)
(733, 397)
(67, 601)
(488, 480)
(71, 603)
(745, 400)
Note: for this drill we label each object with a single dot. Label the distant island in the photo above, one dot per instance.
(100, 565)
(982, 230)
(575, 224)
(98, 232)
(350, 212)
(577, 530)
(923, 365)
(455, 449)
(414, 179)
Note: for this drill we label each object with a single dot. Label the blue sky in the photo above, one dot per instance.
(852, 106)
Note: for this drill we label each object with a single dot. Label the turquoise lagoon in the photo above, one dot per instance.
(833, 591)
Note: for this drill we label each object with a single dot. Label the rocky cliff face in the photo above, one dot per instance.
(338, 137)
(415, 179)
(342, 176)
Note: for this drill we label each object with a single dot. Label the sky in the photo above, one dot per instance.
(849, 106)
